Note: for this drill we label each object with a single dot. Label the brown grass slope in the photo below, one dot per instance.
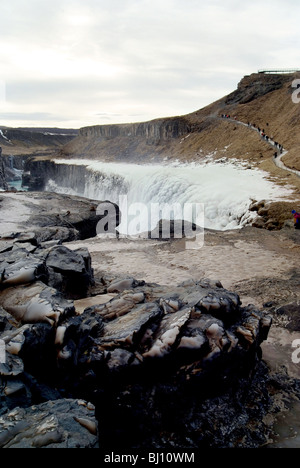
(261, 99)
(265, 100)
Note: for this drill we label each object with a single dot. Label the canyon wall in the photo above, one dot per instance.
(3, 183)
(263, 99)
(153, 132)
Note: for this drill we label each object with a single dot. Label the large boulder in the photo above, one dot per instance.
(150, 350)
(70, 271)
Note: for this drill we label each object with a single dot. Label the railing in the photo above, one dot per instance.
(279, 71)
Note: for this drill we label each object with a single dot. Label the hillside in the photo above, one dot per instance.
(263, 99)
(28, 141)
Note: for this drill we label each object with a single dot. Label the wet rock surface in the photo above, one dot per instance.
(50, 216)
(165, 366)
(55, 424)
(141, 357)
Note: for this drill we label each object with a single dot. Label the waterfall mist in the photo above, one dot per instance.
(226, 190)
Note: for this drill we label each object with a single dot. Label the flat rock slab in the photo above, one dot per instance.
(55, 424)
(125, 330)
(167, 333)
(82, 304)
(34, 303)
(45, 213)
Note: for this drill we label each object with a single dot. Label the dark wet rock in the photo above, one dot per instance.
(13, 391)
(55, 424)
(292, 313)
(12, 367)
(78, 342)
(64, 260)
(7, 322)
(118, 306)
(128, 329)
(35, 303)
(156, 356)
(51, 216)
(119, 359)
(167, 333)
(58, 234)
(3, 183)
(23, 271)
(174, 229)
(70, 271)
(207, 296)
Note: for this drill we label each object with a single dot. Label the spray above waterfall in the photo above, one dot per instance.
(225, 190)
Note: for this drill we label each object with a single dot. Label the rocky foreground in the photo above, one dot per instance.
(144, 365)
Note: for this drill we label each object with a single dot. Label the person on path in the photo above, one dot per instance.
(296, 219)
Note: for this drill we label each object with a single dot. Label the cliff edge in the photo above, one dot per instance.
(263, 99)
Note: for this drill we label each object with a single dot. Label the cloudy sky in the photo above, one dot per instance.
(72, 63)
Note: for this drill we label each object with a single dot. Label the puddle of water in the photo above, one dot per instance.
(278, 351)
(287, 429)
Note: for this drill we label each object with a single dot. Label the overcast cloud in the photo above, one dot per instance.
(71, 63)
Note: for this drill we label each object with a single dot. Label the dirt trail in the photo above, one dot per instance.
(282, 152)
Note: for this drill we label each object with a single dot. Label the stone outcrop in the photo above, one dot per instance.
(3, 183)
(55, 424)
(272, 216)
(19, 143)
(255, 86)
(37, 172)
(194, 136)
(150, 345)
(153, 132)
(45, 217)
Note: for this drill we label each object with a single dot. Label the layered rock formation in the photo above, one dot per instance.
(257, 100)
(158, 357)
(24, 141)
(3, 183)
(54, 424)
(153, 132)
(200, 136)
(51, 217)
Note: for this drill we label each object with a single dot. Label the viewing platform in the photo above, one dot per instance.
(280, 72)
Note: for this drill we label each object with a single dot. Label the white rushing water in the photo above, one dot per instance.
(226, 190)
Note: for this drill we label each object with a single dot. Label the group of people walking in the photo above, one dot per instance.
(267, 138)
(262, 133)
(276, 145)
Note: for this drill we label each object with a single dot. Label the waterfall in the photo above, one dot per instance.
(226, 190)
